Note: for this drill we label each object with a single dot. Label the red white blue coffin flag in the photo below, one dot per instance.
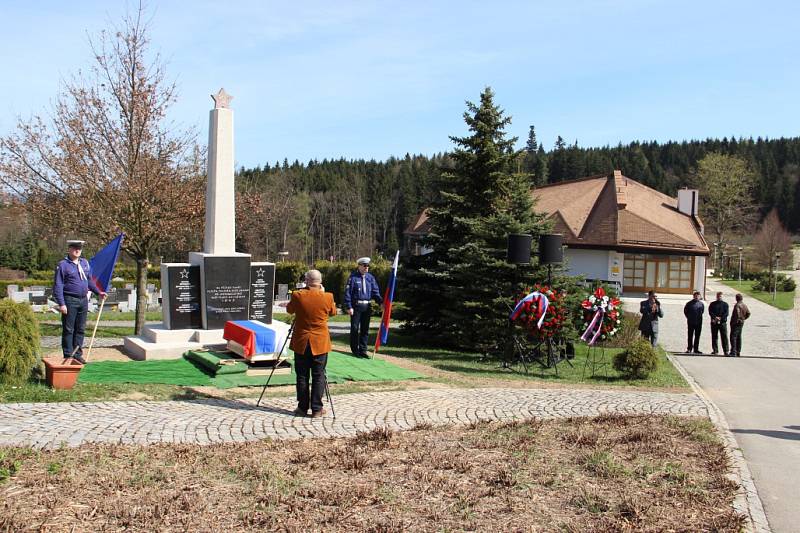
(383, 334)
(103, 263)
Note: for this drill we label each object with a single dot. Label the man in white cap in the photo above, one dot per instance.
(360, 290)
(71, 286)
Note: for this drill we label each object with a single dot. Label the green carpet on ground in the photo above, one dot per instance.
(168, 371)
(341, 367)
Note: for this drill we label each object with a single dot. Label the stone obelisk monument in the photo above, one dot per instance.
(220, 235)
(224, 273)
(217, 284)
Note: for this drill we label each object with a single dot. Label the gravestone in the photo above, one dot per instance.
(11, 289)
(122, 294)
(181, 305)
(262, 286)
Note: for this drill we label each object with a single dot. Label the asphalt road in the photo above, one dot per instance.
(759, 393)
(761, 401)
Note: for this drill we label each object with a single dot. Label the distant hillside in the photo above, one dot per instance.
(669, 166)
(365, 205)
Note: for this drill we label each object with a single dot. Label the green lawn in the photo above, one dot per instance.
(38, 391)
(783, 300)
(473, 365)
(107, 315)
(54, 330)
(286, 317)
(84, 392)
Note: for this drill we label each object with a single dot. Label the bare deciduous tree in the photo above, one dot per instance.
(772, 238)
(726, 185)
(107, 159)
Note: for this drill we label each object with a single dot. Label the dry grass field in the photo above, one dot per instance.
(611, 473)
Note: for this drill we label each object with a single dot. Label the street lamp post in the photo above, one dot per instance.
(740, 266)
(714, 260)
(775, 286)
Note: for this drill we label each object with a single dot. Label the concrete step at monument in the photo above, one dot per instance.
(158, 333)
(141, 348)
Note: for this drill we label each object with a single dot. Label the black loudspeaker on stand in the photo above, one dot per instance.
(550, 249)
(551, 252)
(519, 249)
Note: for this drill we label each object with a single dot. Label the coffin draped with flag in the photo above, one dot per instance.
(388, 297)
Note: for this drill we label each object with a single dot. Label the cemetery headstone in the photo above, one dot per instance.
(181, 282)
(262, 283)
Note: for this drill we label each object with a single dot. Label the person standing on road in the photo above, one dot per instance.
(718, 311)
(650, 310)
(71, 286)
(693, 310)
(360, 290)
(738, 316)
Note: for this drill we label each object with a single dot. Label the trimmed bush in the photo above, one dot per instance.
(334, 275)
(637, 361)
(783, 283)
(19, 342)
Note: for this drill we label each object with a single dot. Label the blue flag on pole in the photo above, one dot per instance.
(103, 263)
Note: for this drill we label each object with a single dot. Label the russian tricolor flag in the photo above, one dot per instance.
(388, 296)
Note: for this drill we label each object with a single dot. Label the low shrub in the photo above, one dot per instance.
(638, 360)
(19, 342)
(781, 282)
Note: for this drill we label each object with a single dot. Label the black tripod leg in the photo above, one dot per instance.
(328, 394)
(277, 363)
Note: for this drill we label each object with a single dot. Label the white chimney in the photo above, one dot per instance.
(688, 200)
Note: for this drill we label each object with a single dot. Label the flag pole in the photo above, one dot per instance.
(94, 332)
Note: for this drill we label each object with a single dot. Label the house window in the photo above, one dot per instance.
(665, 273)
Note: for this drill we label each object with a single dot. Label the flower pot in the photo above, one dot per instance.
(61, 373)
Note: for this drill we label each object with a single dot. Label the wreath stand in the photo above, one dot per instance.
(596, 359)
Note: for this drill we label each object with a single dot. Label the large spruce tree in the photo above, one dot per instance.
(460, 292)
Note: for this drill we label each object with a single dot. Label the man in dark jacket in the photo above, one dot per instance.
(650, 310)
(718, 311)
(693, 310)
(738, 316)
(360, 290)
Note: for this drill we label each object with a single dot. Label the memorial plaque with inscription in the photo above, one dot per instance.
(262, 284)
(227, 289)
(183, 297)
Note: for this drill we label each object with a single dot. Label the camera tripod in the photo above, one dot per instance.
(278, 362)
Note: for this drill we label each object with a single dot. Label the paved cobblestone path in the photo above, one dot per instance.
(46, 425)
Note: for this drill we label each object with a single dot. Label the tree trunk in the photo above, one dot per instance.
(141, 293)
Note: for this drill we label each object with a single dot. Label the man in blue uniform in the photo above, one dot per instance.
(361, 288)
(73, 281)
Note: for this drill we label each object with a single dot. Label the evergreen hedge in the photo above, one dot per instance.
(19, 342)
(334, 276)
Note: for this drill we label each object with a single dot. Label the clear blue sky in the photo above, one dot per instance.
(371, 79)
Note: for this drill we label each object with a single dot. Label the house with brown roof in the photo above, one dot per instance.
(414, 233)
(621, 231)
(617, 230)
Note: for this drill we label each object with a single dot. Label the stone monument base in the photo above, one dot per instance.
(158, 342)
